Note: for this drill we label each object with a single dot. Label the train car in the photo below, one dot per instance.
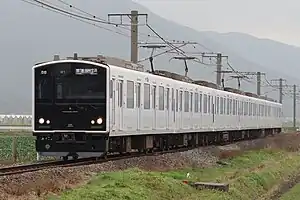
(87, 107)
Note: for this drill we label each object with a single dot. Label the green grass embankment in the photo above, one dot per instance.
(254, 175)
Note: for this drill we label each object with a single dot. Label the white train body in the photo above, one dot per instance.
(151, 104)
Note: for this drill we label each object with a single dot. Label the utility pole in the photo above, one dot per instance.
(219, 58)
(294, 107)
(134, 23)
(134, 36)
(258, 83)
(219, 68)
(280, 90)
(280, 87)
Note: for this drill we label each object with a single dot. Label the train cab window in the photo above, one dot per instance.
(146, 96)
(191, 102)
(130, 94)
(196, 102)
(205, 103)
(200, 100)
(161, 98)
(186, 101)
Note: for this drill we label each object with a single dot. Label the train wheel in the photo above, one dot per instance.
(65, 158)
(75, 157)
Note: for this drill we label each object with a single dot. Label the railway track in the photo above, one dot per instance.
(20, 169)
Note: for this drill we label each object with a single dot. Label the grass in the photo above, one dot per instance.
(292, 194)
(253, 175)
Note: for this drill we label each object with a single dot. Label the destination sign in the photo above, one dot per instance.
(84, 71)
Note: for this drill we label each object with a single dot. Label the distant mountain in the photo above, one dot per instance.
(30, 34)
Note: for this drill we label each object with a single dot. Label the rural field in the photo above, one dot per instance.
(25, 146)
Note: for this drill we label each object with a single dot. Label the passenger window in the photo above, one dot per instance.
(173, 100)
(221, 105)
(146, 96)
(111, 88)
(161, 98)
(186, 101)
(200, 106)
(218, 105)
(191, 102)
(228, 106)
(130, 94)
(153, 96)
(177, 103)
(180, 100)
(168, 98)
(205, 104)
(196, 102)
(208, 109)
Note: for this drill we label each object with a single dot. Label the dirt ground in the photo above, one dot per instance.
(36, 185)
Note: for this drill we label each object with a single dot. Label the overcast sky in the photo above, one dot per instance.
(274, 19)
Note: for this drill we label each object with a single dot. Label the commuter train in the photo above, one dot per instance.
(91, 106)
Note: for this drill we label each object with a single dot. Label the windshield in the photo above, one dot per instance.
(79, 87)
(70, 82)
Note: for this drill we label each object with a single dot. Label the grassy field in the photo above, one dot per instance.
(254, 175)
(25, 147)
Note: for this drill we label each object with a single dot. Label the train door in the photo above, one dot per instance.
(154, 106)
(167, 108)
(120, 107)
(138, 105)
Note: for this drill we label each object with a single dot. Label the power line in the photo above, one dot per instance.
(75, 18)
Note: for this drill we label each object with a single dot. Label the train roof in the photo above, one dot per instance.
(118, 62)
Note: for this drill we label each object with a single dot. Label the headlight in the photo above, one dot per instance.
(92, 122)
(48, 122)
(41, 120)
(99, 120)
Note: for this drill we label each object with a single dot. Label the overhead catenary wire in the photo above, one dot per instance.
(75, 18)
(93, 20)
